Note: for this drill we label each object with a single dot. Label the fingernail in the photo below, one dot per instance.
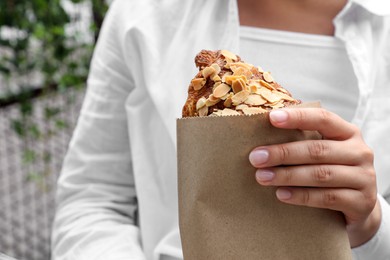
(283, 194)
(278, 116)
(264, 175)
(258, 157)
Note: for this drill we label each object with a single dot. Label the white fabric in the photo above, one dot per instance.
(124, 145)
(311, 67)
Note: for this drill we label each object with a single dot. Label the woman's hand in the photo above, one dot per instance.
(335, 173)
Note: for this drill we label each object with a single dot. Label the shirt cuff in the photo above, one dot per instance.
(378, 246)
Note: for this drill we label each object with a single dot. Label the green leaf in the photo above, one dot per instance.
(19, 127)
(29, 156)
(50, 112)
(61, 124)
(34, 131)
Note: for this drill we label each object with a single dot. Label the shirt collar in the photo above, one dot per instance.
(378, 7)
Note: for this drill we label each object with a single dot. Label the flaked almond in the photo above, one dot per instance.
(229, 94)
(211, 101)
(284, 96)
(276, 105)
(260, 69)
(216, 78)
(255, 100)
(228, 79)
(253, 88)
(229, 112)
(253, 110)
(216, 84)
(267, 85)
(238, 85)
(228, 54)
(241, 107)
(198, 83)
(216, 112)
(213, 98)
(216, 67)
(208, 71)
(221, 90)
(244, 72)
(240, 97)
(267, 77)
(201, 103)
(240, 64)
(228, 102)
(254, 85)
(203, 111)
(269, 95)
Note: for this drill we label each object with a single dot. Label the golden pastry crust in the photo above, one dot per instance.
(225, 85)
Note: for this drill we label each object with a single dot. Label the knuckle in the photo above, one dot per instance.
(324, 115)
(369, 202)
(283, 152)
(317, 150)
(322, 174)
(371, 175)
(367, 154)
(329, 198)
(300, 115)
(306, 198)
(287, 176)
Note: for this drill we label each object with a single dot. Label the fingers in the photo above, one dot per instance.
(337, 199)
(336, 176)
(311, 152)
(328, 124)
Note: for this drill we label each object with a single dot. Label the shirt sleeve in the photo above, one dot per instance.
(96, 196)
(378, 246)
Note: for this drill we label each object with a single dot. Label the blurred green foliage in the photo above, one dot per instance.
(42, 36)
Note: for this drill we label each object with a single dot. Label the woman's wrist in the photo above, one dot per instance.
(361, 233)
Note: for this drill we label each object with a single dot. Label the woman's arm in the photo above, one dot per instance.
(96, 199)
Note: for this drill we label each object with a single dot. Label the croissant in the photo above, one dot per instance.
(226, 85)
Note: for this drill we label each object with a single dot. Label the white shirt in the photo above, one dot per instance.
(123, 147)
(312, 67)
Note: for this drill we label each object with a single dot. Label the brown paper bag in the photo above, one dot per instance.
(225, 214)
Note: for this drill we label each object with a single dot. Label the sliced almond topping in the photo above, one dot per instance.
(277, 105)
(221, 90)
(240, 97)
(253, 88)
(235, 65)
(267, 77)
(255, 100)
(284, 96)
(198, 83)
(243, 71)
(200, 103)
(241, 107)
(216, 78)
(282, 90)
(213, 98)
(238, 85)
(217, 112)
(268, 95)
(208, 71)
(228, 102)
(216, 67)
(228, 54)
(203, 111)
(228, 79)
(265, 84)
(211, 101)
(253, 110)
(229, 112)
(260, 69)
